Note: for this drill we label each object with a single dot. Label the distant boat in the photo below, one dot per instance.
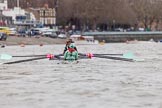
(84, 40)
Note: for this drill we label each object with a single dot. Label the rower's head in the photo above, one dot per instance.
(68, 42)
(71, 41)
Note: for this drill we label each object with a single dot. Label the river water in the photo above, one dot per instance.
(92, 83)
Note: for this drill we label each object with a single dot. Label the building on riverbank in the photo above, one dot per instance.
(4, 20)
(19, 16)
(3, 4)
(47, 16)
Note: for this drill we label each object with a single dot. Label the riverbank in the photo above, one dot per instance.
(14, 40)
(113, 37)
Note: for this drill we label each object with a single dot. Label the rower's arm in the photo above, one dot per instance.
(65, 55)
(65, 49)
(75, 48)
(76, 56)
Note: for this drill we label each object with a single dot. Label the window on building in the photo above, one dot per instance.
(20, 18)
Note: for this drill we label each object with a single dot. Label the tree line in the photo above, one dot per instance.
(105, 14)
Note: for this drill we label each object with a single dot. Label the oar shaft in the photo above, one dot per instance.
(109, 57)
(108, 54)
(36, 55)
(115, 58)
(30, 56)
(32, 59)
(104, 54)
(26, 60)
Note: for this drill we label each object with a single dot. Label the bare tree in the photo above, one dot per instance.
(147, 11)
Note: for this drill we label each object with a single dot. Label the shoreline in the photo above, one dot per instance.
(15, 40)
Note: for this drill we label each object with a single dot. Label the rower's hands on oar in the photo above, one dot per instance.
(52, 56)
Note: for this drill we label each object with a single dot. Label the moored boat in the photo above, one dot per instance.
(84, 40)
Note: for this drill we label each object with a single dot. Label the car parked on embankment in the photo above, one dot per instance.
(3, 36)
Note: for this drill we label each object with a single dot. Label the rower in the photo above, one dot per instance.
(68, 42)
(71, 54)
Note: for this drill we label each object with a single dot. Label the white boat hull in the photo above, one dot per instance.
(85, 42)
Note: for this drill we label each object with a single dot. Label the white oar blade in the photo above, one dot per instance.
(130, 55)
(5, 57)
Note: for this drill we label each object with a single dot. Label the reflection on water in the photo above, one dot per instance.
(96, 83)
